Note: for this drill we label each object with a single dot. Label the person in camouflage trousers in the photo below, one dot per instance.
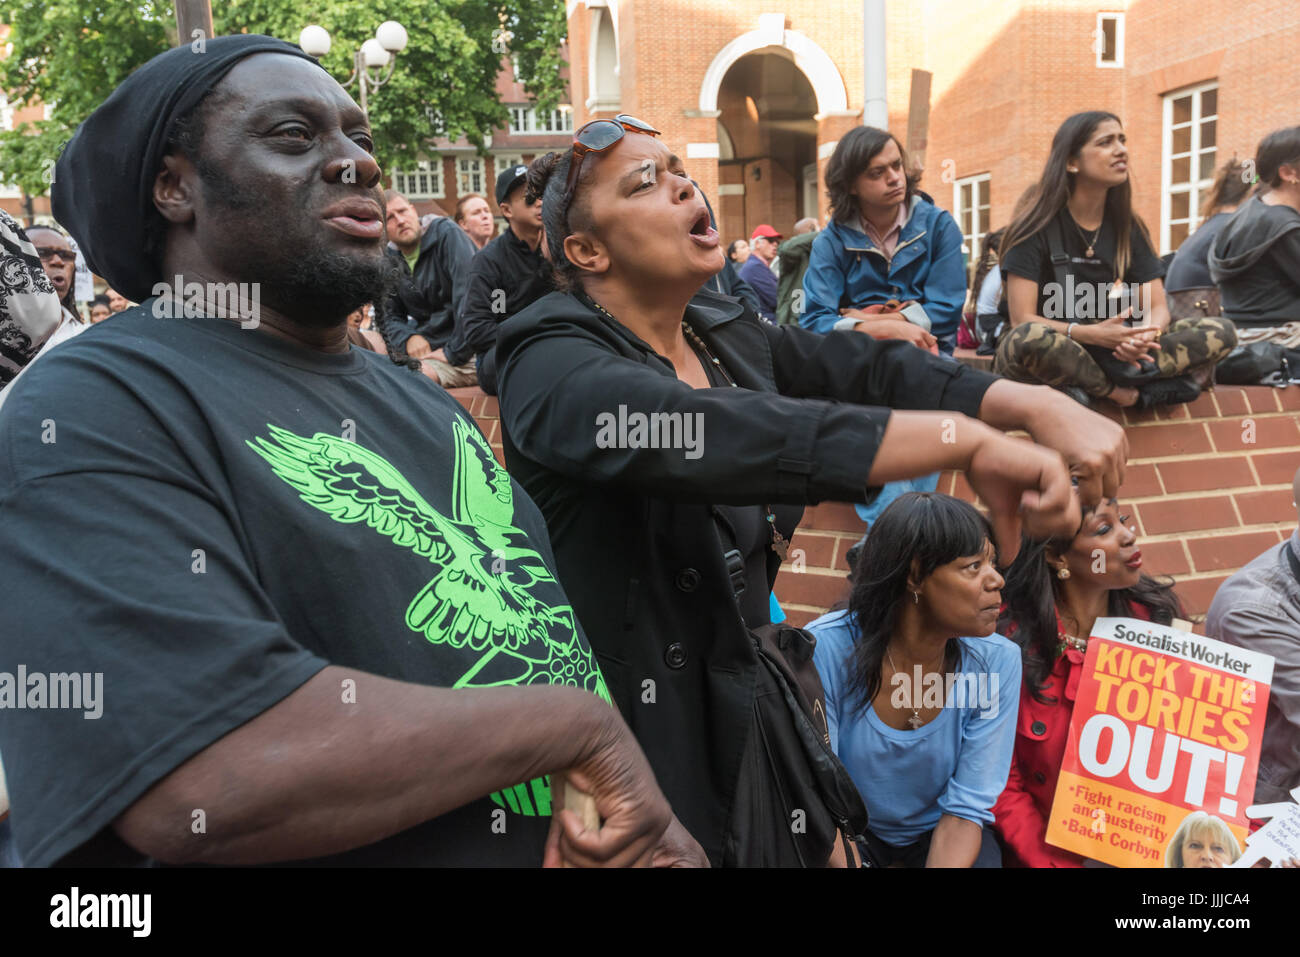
(1035, 352)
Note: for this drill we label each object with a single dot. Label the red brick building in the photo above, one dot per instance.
(754, 95)
(452, 169)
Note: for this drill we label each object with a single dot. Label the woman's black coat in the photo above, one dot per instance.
(635, 541)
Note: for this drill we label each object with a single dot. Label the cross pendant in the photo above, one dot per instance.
(914, 720)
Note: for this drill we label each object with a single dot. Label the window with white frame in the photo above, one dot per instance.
(528, 119)
(1187, 169)
(503, 161)
(970, 206)
(423, 181)
(1108, 40)
(470, 175)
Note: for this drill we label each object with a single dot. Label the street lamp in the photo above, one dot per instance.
(378, 52)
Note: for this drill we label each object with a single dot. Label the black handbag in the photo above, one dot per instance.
(794, 799)
(1259, 363)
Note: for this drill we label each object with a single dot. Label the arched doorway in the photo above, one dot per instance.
(767, 109)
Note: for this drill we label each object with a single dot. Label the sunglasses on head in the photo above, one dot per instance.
(48, 253)
(596, 137)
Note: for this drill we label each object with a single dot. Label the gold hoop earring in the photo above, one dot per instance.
(1063, 573)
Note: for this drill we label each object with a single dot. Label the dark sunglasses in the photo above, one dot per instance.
(51, 252)
(596, 137)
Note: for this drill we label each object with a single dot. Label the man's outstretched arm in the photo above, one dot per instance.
(313, 776)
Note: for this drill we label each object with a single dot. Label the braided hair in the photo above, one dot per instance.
(546, 178)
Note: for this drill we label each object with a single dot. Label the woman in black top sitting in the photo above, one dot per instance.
(671, 439)
(1083, 286)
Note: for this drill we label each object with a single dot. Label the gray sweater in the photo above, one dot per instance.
(1259, 608)
(1255, 261)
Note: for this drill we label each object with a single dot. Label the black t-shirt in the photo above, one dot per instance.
(208, 516)
(1086, 299)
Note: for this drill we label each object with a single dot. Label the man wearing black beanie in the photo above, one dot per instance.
(278, 564)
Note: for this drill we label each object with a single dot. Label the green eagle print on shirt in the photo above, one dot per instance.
(484, 571)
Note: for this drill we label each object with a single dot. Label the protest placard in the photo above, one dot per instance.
(1165, 723)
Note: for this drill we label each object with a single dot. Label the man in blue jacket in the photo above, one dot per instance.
(888, 265)
(757, 270)
(887, 246)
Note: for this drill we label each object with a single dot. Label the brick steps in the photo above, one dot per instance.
(1208, 484)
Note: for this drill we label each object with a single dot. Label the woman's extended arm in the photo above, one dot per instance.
(841, 366)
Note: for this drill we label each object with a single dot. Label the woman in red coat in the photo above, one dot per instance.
(1054, 593)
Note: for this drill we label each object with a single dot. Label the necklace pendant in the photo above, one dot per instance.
(780, 544)
(1088, 252)
(914, 720)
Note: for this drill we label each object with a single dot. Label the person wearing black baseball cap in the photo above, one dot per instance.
(507, 275)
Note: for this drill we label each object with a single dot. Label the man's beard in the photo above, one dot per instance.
(311, 284)
(320, 287)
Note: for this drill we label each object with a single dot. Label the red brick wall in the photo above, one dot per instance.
(1206, 499)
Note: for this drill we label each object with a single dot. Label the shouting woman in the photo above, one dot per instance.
(671, 439)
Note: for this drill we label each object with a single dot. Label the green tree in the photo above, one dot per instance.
(70, 54)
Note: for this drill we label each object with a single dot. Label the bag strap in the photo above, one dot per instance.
(1056, 251)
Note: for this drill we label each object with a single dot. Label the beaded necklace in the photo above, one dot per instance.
(1078, 644)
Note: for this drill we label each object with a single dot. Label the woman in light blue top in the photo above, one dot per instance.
(924, 718)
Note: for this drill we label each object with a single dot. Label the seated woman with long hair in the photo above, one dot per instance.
(1078, 265)
(1055, 592)
(671, 439)
(920, 693)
